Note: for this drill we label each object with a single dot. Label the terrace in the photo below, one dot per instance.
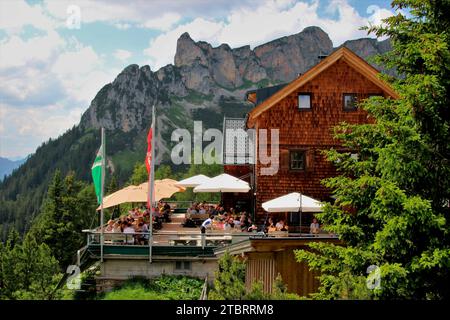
(175, 240)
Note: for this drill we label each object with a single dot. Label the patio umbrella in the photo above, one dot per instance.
(194, 181)
(163, 189)
(223, 183)
(293, 202)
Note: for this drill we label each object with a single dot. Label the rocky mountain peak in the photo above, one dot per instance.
(131, 69)
(203, 77)
(188, 51)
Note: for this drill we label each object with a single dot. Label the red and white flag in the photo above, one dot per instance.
(148, 159)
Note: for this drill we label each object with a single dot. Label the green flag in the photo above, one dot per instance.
(97, 174)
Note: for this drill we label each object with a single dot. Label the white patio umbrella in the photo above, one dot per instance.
(293, 202)
(223, 183)
(194, 181)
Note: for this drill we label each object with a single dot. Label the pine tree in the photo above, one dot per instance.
(113, 186)
(139, 175)
(229, 282)
(28, 271)
(68, 208)
(391, 208)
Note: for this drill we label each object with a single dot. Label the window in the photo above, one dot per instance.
(183, 265)
(297, 161)
(349, 101)
(304, 101)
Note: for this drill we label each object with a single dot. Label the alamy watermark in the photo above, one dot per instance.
(73, 20)
(374, 277)
(238, 146)
(73, 281)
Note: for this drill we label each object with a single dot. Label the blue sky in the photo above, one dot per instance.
(51, 66)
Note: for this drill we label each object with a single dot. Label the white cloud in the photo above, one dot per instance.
(16, 52)
(122, 54)
(76, 62)
(122, 26)
(24, 69)
(263, 22)
(165, 22)
(15, 14)
(94, 11)
(81, 73)
(42, 69)
(377, 14)
(121, 14)
(25, 129)
(139, 12)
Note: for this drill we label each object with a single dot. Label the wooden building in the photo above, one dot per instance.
(305, 112)
(267, 257)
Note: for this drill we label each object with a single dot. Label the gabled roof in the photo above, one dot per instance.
(258, 96)
(344, 53)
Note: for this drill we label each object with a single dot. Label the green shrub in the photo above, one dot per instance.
(161, 288)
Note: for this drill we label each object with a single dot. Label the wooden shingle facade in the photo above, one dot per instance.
(305, 112)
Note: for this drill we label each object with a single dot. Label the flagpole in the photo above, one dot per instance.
(151, 183)
(101, 195)
(301, 212)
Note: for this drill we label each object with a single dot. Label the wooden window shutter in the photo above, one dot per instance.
(284, 159)
(310, 160)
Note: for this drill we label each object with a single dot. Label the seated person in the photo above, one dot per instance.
(117, 228)
(244, 222)
(223, 217)
(134, 213)
(165, 210)
(142, 236)
(191, 210)
(110, 227)
(231, 222)
(236, 221)
(271, 225)
(251, 226)
(314, 228)
(281, 225)
(129, 231)
(220, 210)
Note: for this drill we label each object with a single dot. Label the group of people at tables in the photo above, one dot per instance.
(217, 218)
(135, 225)
(221, 219)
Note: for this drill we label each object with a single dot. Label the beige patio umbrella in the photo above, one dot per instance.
(163, 189)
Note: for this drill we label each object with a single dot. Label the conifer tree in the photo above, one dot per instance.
(392, 203)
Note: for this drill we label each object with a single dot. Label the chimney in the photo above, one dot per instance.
(322, 56)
